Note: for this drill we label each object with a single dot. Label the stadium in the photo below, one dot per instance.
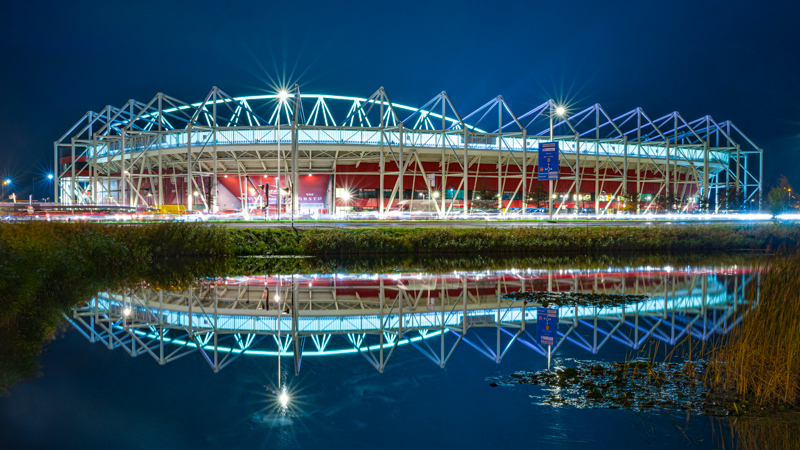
(309, 155)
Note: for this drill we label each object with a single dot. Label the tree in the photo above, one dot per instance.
(668, 203)
(703, 204)
(731, 200)
(537, 198)
(483, 198)
(780, 198)
(630, 202)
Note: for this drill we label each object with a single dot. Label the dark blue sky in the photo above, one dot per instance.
(733, 60)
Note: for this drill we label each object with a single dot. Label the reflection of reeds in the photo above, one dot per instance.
(761, 357)
(753, 434)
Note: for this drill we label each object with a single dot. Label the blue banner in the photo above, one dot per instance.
(548, 161)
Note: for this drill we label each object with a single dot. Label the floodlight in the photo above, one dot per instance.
(560, 110)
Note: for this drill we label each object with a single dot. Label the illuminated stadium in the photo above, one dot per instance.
(339, 154)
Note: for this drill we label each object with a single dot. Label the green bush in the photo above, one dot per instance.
(548, 240)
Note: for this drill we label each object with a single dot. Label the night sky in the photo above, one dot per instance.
(733, 60)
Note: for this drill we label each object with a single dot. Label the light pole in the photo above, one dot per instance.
(49, 178)
(282, 96)
(559, 111)
(345, 196)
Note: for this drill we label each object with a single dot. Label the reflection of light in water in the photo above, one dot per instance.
(283, 398)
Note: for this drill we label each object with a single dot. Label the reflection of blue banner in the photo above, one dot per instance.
(546, 325)
(548, 161)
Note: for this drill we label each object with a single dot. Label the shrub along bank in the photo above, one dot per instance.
(47, 268)
(438, 241)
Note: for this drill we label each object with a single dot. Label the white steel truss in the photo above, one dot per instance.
(112, 155)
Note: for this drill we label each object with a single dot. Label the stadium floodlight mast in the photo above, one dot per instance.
(560, 111)
(282, 96)
(6, 182)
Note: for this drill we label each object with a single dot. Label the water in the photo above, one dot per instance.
(188, 385)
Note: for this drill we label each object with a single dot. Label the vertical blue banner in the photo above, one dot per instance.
(548, 161)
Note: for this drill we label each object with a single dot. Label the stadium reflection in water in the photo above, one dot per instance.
(370, 315)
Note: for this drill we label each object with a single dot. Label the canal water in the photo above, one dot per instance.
(398, 354)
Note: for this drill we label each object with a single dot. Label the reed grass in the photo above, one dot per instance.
(760, 359)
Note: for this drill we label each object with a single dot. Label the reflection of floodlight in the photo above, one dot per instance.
(560, 110)
(435, 195)
(284, 399)
(283, 95)
(277, 297)
(195, 193)
(345, 195)
(126, 312)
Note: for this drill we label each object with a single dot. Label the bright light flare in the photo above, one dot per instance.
(126, 312)
(283, 94)
(284, 399)
(560, 110)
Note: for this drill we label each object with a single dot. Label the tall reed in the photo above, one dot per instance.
(761, 357)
